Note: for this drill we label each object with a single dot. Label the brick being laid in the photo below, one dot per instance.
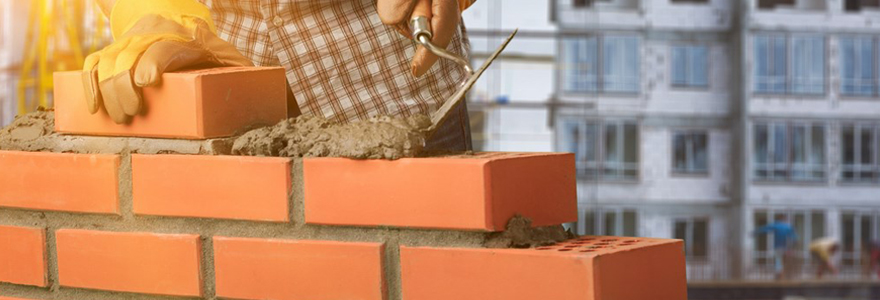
(196, 104)
(466, 192)
(23, 256)
(587, 268)
(84, 183)
(148, 263)
(258, 268)
(221, 187)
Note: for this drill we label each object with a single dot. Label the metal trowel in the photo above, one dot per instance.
(422, 35)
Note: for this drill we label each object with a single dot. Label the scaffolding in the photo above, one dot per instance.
(58, 35)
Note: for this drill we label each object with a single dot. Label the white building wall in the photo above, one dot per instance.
(833, 197)
(518, 129)
(657, 96)
(661, 109)
(523, 75)
(832, 108)
(658, 184)
(659, 196)
(657, 14)
(663, 98)
(660, 222)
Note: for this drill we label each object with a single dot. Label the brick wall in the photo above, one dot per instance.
(277, 228)
(164, 226)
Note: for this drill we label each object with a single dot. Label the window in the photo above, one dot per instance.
(581, 3)
(695, 233)
(585, 3)
(809, 225)
(773, 55)
(605, 150)
(770, 64)
(602, 64)
(861, 152)
(611, 221)
(773, 3)
(858, 230)
(858, 77)
(621, 64)
(808, 65)
(582, 64)
(689, 65)
(789, 151)
(858, 5)
(689, 153)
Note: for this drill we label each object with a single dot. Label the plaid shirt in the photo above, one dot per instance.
(342, 62)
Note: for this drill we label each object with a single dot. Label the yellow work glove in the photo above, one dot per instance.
(445, 15)
(150, 38)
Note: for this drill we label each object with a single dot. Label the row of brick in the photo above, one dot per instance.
(256, 268)
(478, 192)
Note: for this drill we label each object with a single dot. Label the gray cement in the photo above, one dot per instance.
(308, 136)
(35, 132)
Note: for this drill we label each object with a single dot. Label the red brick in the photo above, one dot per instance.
(648, 269)
(8, 298)
(480, 192)
(223, 187)
(23, 255)
(192, 104)
(162, 264)
(294, 269)
(57, 181)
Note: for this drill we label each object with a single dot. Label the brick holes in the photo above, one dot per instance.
(589, 244)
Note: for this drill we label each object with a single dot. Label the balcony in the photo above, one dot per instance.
(792, 5)
(855, 6)
(781, 14)
(606, 4)
(578, 16)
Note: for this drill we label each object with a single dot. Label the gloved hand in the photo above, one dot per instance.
(150, 38)
(445, 15)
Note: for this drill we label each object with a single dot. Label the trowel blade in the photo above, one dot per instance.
(443, 113)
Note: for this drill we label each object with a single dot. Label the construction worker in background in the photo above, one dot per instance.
(874, 251)
(346, 60)
(822, 250)
(784, 238)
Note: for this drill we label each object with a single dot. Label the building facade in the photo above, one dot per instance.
(705, 119)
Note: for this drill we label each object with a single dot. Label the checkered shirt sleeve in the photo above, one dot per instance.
(342, 62)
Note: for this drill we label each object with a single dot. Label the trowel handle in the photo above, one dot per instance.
(421, 32)
(420, 24)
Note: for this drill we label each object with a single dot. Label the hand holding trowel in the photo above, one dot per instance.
(422, 34)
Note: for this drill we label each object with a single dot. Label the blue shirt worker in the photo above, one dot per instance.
(784, 238)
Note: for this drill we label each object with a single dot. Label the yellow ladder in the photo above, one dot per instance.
(44, 51)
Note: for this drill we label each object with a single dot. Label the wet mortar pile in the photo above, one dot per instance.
(378, 138)
(520, 234)
(375, 138)
(307, 136)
